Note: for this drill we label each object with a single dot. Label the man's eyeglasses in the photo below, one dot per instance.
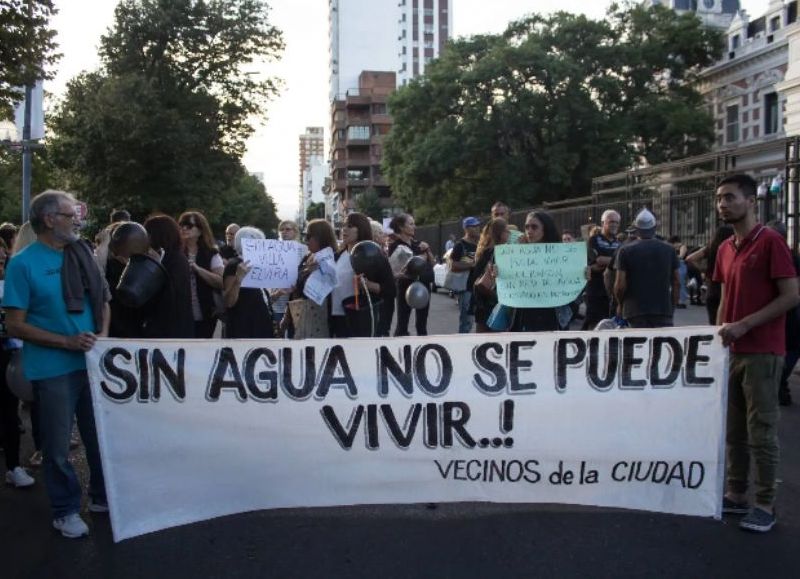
(67, 215)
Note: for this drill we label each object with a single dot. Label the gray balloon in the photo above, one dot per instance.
(417, 295)
(16, 380)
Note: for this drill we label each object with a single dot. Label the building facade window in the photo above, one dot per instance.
(771, 113)
(357, 133)
(732, 124)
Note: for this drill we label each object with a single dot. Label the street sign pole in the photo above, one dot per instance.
(27, 154)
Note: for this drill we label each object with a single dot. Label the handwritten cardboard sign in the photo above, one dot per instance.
(540, 275)
(323, 280)
(274, 263)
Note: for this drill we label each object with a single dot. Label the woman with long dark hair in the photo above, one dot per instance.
(169, 313)
(319, 235)
(206, 269)
(404, 229)
(539, 228)
(493, 234)
(379, 281)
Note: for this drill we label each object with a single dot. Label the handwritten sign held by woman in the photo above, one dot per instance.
(273, 263)
(540, 275)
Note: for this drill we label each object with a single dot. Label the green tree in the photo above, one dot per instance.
(11, 181)
(247, 203)
(369, 204)
(315, 211)
(533, 114)
(162, 125)
(27, 47)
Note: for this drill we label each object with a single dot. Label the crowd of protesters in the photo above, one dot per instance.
(60, 293)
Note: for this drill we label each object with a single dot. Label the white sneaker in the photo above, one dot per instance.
(19, 478)
(71, 526)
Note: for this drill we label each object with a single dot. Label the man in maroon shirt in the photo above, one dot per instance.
(759, 285)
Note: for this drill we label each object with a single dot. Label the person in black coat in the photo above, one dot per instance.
(404, 229)
(169, 314)
(379, 280)
(248, 311)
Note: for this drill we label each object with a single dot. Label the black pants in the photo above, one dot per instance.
(204, 329)
(404, 312)
(712, 305)
(9, 417)
(387, 313)
(597, 309)
(650, 321)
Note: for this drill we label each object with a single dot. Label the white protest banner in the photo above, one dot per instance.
(321, 281)
(191, 430)
(273, 262)
(540, 275)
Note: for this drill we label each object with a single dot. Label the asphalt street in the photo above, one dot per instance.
(451, 540)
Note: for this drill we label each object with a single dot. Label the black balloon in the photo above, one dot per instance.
(417, 295)
(366, 258)
(415, 266)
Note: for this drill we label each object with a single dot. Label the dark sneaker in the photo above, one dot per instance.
(758, 520)
(730, 507)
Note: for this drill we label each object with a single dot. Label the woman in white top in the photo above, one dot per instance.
(206, 270)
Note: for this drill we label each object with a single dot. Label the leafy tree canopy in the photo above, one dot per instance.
(27, 48)
(532, 114)
(163, 124)
(315, 211)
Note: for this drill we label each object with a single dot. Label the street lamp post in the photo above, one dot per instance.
(27, 154)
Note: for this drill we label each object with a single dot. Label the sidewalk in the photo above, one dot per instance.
(443, 317)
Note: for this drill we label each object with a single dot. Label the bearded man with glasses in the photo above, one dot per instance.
(56, 301)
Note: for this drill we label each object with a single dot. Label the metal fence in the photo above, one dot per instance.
(680, 194)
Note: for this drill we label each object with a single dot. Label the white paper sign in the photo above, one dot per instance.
(322, 281)
(632, 419)
(273, 262)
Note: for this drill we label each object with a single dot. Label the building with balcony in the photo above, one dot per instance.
(311, 144)
(399, 35)
(314, 183)
(359, 123)
(743, 90)
(423, 30)
(714, 13)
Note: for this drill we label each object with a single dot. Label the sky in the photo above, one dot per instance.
(273, 149)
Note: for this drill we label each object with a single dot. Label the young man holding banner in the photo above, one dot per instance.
(759, 285)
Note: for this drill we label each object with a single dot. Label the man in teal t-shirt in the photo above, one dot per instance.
(55, 338)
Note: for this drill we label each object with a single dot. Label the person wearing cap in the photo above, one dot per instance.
(602, 247)
(759, 286)
(647, 283)
(462, 258)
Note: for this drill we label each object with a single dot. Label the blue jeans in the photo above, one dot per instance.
(684, 293)
(60, 399)
(464, 316)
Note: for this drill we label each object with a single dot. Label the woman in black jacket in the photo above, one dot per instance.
(206, 268)
(379, 282)
(169, 313)
(539, 228)
(404, 229)
(248, 310)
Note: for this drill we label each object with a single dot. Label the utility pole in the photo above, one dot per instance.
(27, 154)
